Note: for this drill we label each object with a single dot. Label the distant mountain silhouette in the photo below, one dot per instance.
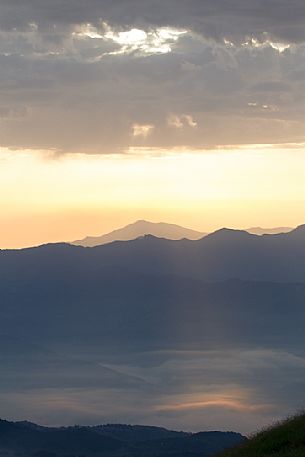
(120, 316)
(225, 254)
(161, 230)
(68, 290)
(141, 228)
(268, 231)
(21, 439)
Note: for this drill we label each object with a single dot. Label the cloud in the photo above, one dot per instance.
(234, 21)
(180, 122)
(76, 78)
(215, 401)
(143, 131)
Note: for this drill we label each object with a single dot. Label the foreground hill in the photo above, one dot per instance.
(142, 228)
(284, 440)
(24, 439)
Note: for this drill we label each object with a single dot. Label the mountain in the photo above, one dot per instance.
(268, 231)
(126, 294)
(121, 331)
(161, 230)
(283, 440)
(20, 439)
(141, 228)
(225, 254)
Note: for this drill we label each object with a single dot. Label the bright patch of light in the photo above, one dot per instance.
(281, 47)
(254, 43)
(158, 41)
(139, 130)
(129, 38)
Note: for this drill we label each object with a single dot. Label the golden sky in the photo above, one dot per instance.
(47, 198)
(104, 122)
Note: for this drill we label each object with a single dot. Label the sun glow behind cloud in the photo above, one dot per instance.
(156, 41)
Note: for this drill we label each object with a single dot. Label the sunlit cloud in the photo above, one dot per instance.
(255, 43)
(156, 41)
(179, 122)
(142, 131)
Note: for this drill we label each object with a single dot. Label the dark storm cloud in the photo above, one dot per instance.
(234, 19)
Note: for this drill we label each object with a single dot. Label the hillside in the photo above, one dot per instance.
(141, 228)
(24, 439)
(284, 440)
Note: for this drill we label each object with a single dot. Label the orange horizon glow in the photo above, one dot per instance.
(63, 198)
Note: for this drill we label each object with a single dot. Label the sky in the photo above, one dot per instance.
(183, 111)
(187, 112)
(45, 199)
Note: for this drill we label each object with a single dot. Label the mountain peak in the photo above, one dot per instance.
(139, 229)
(228, 233)
(142, 221)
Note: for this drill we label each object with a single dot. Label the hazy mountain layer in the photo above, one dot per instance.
(155, 331)
(161, 230)
(269, 231)
(225, 254)
(141, 228)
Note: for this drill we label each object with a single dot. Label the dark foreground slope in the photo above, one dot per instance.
(284, 440)
(22, 439)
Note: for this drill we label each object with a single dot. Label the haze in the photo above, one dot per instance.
(188, 112)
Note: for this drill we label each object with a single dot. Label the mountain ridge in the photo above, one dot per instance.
(138, 229)
(121, 314)
(162, 230)
(224, 254)
(18, 439)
